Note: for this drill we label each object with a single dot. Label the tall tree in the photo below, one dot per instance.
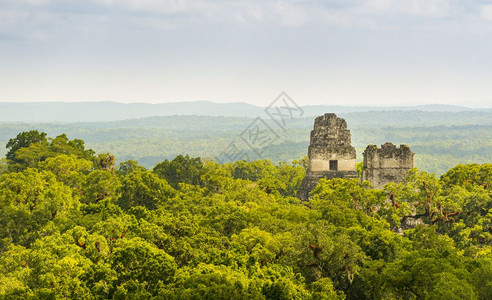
(23, 140)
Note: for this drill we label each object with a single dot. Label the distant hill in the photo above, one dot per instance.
(113, 111)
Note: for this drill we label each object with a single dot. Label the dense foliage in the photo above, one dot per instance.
(73, 225)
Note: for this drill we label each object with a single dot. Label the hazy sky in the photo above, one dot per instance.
(355, 52)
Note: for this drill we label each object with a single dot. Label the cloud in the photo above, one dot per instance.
(486, 12)
(12, 17)
(419, 8)
(50, 18)
(257, 9)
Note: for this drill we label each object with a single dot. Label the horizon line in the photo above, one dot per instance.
(239, 102)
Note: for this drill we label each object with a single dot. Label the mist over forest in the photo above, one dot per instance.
(440, 139)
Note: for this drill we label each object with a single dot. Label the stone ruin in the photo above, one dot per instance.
(331, 155)
(386, 164)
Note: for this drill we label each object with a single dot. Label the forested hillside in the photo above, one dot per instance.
(440, 140)
(73, 224)
(114, 111)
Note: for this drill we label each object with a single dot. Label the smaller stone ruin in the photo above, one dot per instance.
(386, 164)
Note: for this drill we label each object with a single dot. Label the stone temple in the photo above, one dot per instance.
(386, 164)
(331, 155)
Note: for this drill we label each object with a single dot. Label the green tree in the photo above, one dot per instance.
(106, 162)
(432, 269)
(31, 148)
(23, 140)
(130, 166)
(139, 262)
(144, 189)
(62, 144)
(4, 168)
(182, 169)
(67, 168)
(100, 185)
(30, 202)
(468, 175)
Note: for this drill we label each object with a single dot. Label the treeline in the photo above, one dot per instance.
(75, 225)
(447, 139)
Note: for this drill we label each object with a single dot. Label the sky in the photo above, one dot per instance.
(333, 52)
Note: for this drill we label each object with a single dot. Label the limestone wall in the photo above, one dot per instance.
(323, 165)
(386, 164)
(330, 141)
(388, 156)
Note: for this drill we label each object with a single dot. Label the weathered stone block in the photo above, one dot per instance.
(330, 153)
(386, 164)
